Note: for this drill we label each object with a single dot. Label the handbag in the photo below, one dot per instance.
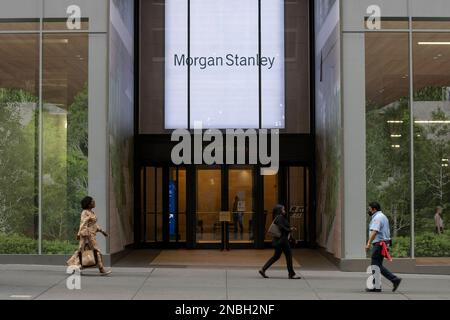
(88, 258)
(274, 231)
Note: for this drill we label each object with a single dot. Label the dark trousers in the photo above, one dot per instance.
(225, 245)
(377, 260)
(238, 223)
(281, 246)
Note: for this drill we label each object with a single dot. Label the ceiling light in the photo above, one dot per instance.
(56, 41)
(395, 121)
(437, 43)
(432, 121)
(396, 135)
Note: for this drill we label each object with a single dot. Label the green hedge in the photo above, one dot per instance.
(426, 245)
(18, 244)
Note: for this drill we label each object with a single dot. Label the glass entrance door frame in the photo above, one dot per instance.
(155, 210)
(225, 205)
(258, 222)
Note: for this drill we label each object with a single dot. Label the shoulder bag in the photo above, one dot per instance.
(274, 231)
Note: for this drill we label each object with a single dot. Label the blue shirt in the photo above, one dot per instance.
(380, 223)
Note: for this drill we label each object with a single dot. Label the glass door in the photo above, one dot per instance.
(209, 205)
(290, 188)
(177, 204)
(163, 205)
(270, 201)
(297, 195)
(152, 210)
(240, 203)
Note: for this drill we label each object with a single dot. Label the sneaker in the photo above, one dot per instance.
(263, 274)
(396, 283)
(294, 277)
(373, 290)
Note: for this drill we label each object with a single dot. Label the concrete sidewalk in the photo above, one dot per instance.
(192, 283)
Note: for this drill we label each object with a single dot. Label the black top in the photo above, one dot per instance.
(282, 222)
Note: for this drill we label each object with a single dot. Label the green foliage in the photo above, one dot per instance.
(18, 244)
(59, 246)
(429, 94)
(427, 244)
(388, 167)
(18, 184)
(65, 170)
(400, 247)
(433, 245)
(77, 160)
(388, 170)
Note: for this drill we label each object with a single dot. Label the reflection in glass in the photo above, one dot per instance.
(181, 204)
(19, 152)
(296, 201)
(208, 205)
(154, 204)
(240, 201)
(270, 201)
(65, 141)
(177, 204)
(431, 58)
(388, 132)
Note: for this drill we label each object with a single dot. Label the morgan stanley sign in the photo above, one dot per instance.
(213, 63)
(224, 69)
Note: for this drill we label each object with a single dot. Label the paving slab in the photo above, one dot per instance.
(22, 282)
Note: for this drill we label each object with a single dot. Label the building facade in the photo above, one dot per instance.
(91, 91)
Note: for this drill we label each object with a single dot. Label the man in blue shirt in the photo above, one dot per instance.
(379, 238)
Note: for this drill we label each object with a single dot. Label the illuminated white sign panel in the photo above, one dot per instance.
(213, 64)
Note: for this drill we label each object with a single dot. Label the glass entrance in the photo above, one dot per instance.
(209, 205)
(163, 205)
(183, 206)
(240, 204)
(152, 211)
(297, 195)
(290, 187)
(225, 190)
(177, 204)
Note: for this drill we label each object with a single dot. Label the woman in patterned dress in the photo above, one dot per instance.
(86, 235)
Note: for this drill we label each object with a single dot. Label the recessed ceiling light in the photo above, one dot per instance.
(432, 121)
(430, 43)
(394, 121)
(56, 41)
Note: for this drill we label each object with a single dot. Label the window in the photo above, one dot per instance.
(388, 131)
